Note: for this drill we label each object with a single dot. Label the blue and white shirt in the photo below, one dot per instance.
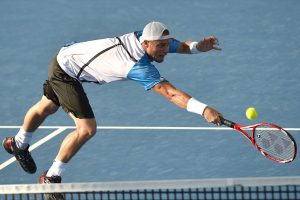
(112, 59)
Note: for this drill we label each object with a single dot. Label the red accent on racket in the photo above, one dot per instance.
(271, 140)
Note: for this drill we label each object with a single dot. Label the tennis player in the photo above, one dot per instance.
(127, 57)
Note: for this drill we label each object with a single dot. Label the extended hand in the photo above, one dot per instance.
(208, 43)
(212, 116)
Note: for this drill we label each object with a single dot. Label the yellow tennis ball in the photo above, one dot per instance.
(251, 113)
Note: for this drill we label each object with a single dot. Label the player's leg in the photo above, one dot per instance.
(38, 113)
(19, 144)
(85, 129)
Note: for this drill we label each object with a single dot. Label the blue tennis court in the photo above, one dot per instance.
(258, 66)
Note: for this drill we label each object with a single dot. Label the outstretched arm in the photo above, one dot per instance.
(206, 44)
(185, 101)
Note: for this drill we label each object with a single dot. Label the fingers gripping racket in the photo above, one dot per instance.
(271, 140)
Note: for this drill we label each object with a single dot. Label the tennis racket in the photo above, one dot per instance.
(271, 140)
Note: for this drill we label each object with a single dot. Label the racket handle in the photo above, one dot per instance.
(227, 122)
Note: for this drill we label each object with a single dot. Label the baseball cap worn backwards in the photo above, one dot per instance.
(154, 31)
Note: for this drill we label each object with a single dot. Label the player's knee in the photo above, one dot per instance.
(87, 132)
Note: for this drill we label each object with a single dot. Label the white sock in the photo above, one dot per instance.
(57, 168)
(23, 138)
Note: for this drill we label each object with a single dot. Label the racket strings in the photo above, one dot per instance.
(275, 142)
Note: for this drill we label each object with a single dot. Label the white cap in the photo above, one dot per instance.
(154, 31)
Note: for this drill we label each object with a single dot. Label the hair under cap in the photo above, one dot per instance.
(154, 31)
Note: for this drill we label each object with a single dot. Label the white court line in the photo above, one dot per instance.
(62, 128)
(144, 128)
(35, 145)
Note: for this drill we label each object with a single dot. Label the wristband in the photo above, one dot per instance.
(195, 106)
(193, 48)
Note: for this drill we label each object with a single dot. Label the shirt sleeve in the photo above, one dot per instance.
(147, 75)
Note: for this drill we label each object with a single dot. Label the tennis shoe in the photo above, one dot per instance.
(50, 180)
(23, 156)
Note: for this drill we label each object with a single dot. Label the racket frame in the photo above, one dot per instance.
(252, 128)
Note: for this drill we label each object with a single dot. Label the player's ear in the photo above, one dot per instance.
(146, 43)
